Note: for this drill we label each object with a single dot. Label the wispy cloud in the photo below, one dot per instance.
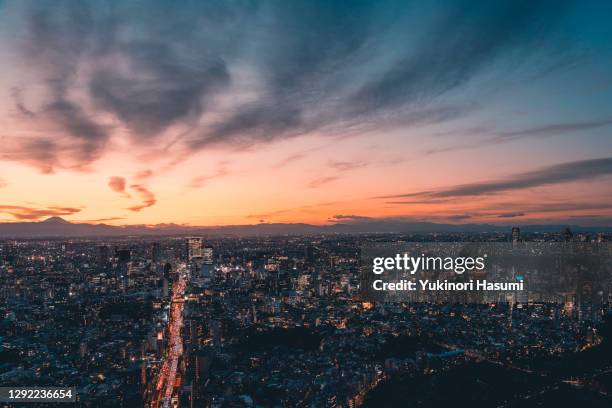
(290, 159)
(105, 219)
(144, 174)
(347, 165)
(147, 197)
(349, 217)
(511, 215)
(117, 184)
(560, 173)
(156, 70)
(200, 181)
(321, 181)
(33, 213)
(16, 93)
(497, 137)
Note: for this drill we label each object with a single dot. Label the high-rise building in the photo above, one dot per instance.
(215, 333)
(207, 255)
(123, 255)
(310, 254)
(164, 291)
(516, 234)
(206, 266)
(194, 248)
(103, 254)
(567, 234)
(155, 251)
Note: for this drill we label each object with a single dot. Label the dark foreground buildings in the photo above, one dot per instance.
(278, 322)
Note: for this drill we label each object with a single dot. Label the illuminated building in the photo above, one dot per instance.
(194, 248)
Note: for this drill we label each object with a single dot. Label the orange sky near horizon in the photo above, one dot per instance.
(272, 184)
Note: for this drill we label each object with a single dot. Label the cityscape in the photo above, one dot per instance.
(309, 204)
(279, 321)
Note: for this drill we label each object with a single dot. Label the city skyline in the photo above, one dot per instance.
(236, 113)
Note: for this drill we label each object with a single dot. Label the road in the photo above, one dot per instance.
(166, 381)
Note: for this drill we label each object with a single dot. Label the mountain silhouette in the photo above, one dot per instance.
(56, 227)
(56, 220)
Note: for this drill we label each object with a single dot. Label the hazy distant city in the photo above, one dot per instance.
(278, 321)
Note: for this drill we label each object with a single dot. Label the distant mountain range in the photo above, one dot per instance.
(56, 227)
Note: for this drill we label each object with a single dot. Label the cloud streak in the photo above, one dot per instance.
(201, 181)
(348, 217)
(347, 165)
(498, 137)
(147, 197)
(560, 173)
(321, 181)
(23, 213)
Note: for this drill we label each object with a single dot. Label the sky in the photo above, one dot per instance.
(246, 112)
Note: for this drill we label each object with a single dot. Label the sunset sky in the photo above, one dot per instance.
(214, 113)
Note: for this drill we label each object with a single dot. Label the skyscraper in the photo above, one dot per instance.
(207, 255)
(567, 234)
(155, 251)
(103, 254)
(516, 234)
(207, 262)
(194, 248)
(123, 255)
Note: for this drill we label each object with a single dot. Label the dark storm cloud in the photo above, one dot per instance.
(333, 67)
(560, 173)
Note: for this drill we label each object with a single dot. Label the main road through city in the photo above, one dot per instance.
(166, 380)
